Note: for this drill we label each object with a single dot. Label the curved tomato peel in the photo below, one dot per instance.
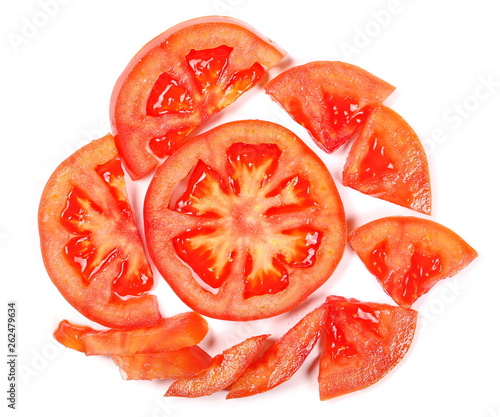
(283, 358)
(224, 370)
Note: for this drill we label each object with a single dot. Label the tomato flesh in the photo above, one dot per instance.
(409, 255)
(179, 80)
(90, 243)
(363, 342)
(245, 218)
(330, 99)
(388, 161)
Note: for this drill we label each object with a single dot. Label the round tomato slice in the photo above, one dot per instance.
(244, 221)
(90, 243)
(363, 342)
(409, 255)
(388, 161)
(180, 79)
(331, 99)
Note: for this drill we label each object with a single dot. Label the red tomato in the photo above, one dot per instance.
(283, 358)
(179, 80)
(244, 221)
(172, 333)
(388, 161)
(330, 99)
(174, 364)
(224, 370)
(363, 342)
(409, 255)
(90, 244)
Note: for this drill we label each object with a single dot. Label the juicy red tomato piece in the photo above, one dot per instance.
(283, 358)
(172, 333)
(224, 370)
(183, 363)
(409, 255)
(244, 221)
(90, 244)
(388, 161)
(363, 342)
(330, 99)
(179, 80)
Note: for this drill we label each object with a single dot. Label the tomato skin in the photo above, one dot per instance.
(261, 209)
(175, 364)
(206, 84)
(283, 358)
(411, 254)
(330, 99)
(388, 161)
(224, 370)
(101, 217)
(172, 333)
(363, 342)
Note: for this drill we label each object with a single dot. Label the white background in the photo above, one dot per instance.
(59, 65)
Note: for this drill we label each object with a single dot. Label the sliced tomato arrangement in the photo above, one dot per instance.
(90, 244)
(331, 99)
(224, 370)
(283, 358)
(168, 350)
(409, 255)
(363, 342)
(179, 80)
(244, 221)
(388, 161)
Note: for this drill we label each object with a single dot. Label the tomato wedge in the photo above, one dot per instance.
(90, 244)
(172, 333)
(283, 358)
(388, 161)
(409, 255)
(244, 221)
(224, 370)
(179, 80)
(331, 99)
(174, 364)
(363, 342)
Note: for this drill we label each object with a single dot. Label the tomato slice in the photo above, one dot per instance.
(331, 99)
(179, 80)
(409, 255)
(244, 221)
(388, 161)
(90, 244)
(363, 342)
(283, 358)
(172, 333)
(175, 364)
(224, 370)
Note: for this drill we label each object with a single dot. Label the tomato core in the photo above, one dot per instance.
(243, 212)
